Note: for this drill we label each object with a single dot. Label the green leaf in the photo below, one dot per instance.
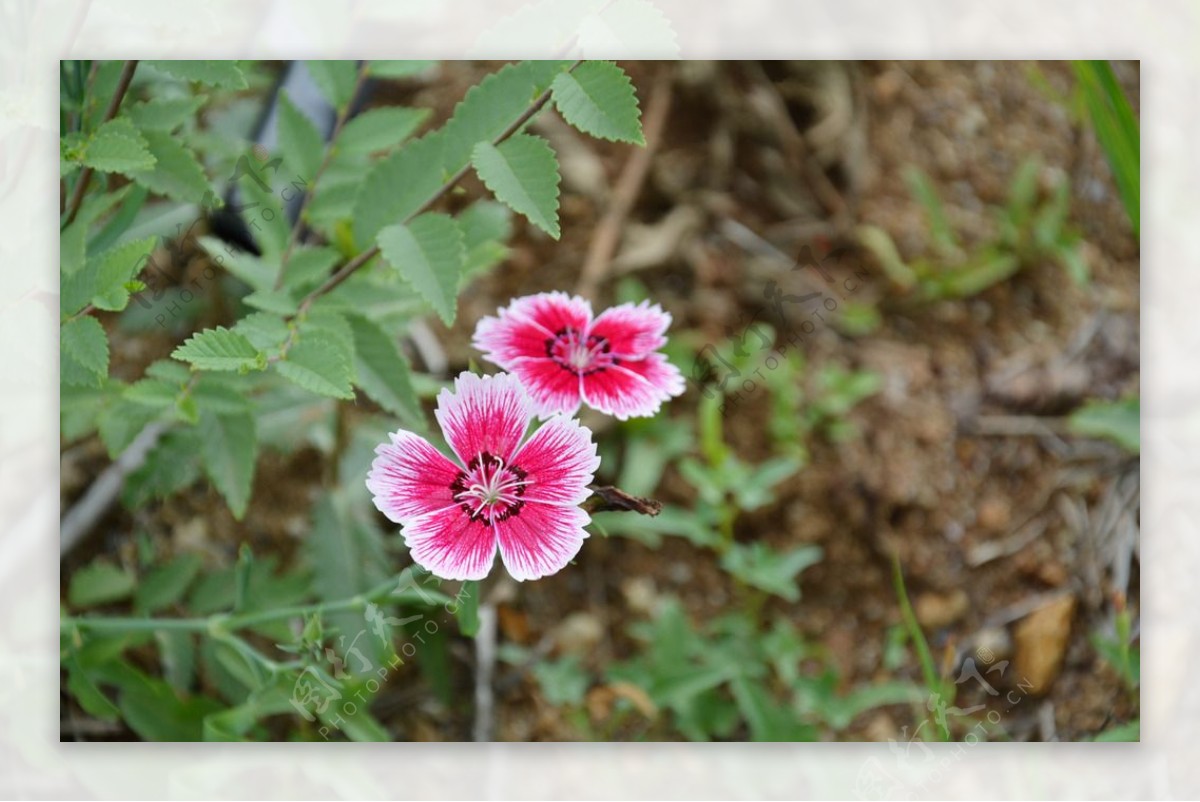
(398, 69)
(169, 467)
(486, 227)
(382, 371)
(1118, 421)
(318, 366)
(117, 267)
(310, 266)
(264, 331)
(597, 97)
(467, 609)
(122, 422)
(1128, 732)
(762, 567)
(210, 73)
(229, 448)
(563, 682)
(429, 254)
(1117, 131)
(117, 147)
(166, 584)
(379, 129)
(156, 713)
(300, 143)
(397, 187)
(335, 79)
(164, 114)
(523, 173)
(491, 106)
(100, 582)
(768, 719)
(83, 352)
(85, 691)
(219, 349)
(176, 172)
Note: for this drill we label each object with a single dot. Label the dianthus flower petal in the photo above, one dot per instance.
(552, 388)
(559, 461)
(633, 388)
(523, 328)
(410, 477)
(450, 544)
(632, 331)
(541, 540)
(484, 414)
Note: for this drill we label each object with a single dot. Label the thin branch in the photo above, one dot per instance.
(114, 105)
(354, 264)
(298, 226)
(485, 666)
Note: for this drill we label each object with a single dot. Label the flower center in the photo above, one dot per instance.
(489, 490)
(579, 354)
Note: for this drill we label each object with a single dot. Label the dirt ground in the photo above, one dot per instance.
(961, 465)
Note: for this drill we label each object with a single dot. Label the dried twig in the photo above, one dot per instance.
(485, 666)
(629, 186)
(80, 519)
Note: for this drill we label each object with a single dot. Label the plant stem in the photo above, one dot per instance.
(114, 105)
(924, 657)
(298, 226)
(354, 264)
(223, 623)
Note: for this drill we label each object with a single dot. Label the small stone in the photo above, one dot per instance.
(578, 633)
(1041, 642)
(995, 514)
(935, 610)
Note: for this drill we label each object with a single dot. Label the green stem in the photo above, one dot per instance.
(928, 670)
(221, 624)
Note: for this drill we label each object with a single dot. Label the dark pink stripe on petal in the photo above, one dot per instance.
(450, 545)
(541, 540)
(559, 461)
(484, 414)
(633, 331)
(410, 477)
(633, 389)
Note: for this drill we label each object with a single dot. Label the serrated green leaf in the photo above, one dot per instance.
(486, 227)
(121, 422)
(379, 129)
(335, 79)
(83, 352)
(523, 173)
(152, 392)
(246, 266)
(218, 349)
(228, 449)
(331, 326)
(309, 266)
(300, 143)
(100, 582)
(117, 147)
(491, 106)
(382, 371)
(114, 271)
(176, 172)
(429, 254)
(279, 302)
(264, 331)
(169, 467)
(762, 567)
(318, 366)
(164, 114)
(166, 584)
(210, 73)
(398, 69)
(397, 187)
(597, 97)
